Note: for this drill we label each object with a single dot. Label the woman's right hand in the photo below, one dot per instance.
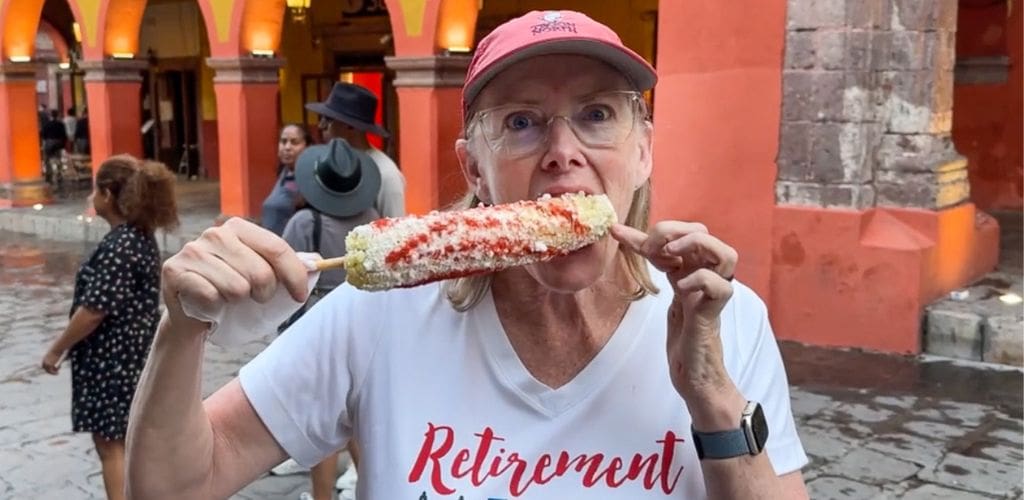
(51, 361)
(233, 262)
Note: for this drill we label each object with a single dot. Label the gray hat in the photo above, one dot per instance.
(337, 179)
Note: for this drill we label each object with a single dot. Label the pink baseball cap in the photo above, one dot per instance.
(551, 32)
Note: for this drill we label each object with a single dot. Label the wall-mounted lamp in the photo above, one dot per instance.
(21, 59)
(64, 65)
(122, 55)
(262, 53)
(298, 9)
(77, 30)
(456, 24)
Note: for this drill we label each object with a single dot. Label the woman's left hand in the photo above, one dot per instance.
(700, 268)
(51, 361)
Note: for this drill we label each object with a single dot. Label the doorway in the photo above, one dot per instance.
(170, 123)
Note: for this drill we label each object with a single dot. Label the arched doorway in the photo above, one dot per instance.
(177, 88)
(61, 100)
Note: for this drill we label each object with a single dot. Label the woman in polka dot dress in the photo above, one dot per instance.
(115, 309)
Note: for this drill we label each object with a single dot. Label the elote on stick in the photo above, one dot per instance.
(413, 250)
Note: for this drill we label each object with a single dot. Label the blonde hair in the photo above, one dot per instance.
(465, 293)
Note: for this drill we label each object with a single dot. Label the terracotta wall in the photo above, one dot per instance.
(987, 119)
(716, 124)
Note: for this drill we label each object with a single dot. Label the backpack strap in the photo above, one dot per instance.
(317, 228)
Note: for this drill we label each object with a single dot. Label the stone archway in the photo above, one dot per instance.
(20, 172)
(118, 26)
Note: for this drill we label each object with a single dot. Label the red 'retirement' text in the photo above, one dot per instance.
(441, 461)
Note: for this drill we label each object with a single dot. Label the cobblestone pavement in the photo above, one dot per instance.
(876, 427)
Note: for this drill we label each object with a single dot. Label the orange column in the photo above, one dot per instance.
(112, 91)
(429, 104)
(247, 121)
(21, 181)
(716, 124)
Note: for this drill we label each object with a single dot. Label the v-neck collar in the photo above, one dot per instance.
(598, 372)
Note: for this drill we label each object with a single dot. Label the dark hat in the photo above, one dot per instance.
(337, 179)
(351, 104)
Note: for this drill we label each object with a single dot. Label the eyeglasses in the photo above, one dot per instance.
(600, 121)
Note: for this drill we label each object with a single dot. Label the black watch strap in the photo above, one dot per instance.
(748, 439)
(719, 445)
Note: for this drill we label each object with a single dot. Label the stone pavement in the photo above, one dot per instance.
(884, 427)
(876, 427)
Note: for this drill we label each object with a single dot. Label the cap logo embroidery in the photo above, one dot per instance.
(552, 21)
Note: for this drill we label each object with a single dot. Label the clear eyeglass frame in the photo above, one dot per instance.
(626, 108)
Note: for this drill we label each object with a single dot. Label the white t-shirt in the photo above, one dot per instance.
(391, 198)
(441, 404)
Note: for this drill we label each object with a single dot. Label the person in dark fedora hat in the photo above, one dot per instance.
(348, 113)
(352, 105)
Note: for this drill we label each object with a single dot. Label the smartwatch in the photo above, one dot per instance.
(748, 439)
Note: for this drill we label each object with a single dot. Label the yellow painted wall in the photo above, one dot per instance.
(221, 11)
(301, 57)
(207, 97)
(90, 10)
(79, 89)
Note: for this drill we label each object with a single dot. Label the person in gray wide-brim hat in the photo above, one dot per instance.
(337, 179)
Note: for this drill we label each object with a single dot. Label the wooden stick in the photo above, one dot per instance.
(332, 263)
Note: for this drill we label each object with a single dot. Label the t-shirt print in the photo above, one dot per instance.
(485, 456)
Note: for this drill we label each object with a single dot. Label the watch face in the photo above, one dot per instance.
(760, 427)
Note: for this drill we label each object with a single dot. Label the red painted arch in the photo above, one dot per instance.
(120, 21)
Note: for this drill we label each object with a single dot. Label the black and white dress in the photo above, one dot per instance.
(122, 279)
